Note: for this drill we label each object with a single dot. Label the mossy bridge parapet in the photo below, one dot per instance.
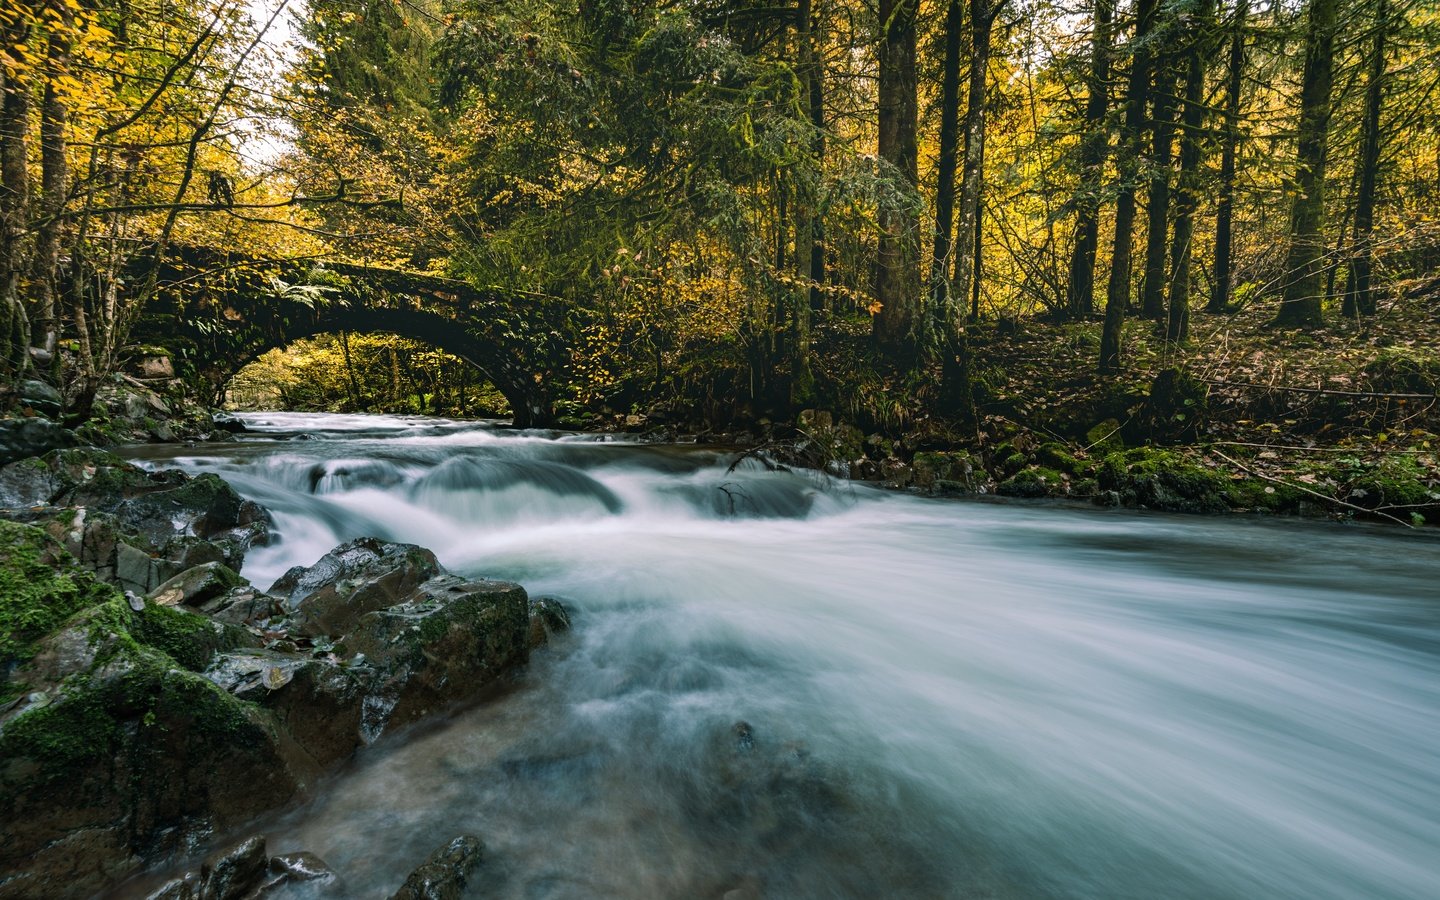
(216, 312)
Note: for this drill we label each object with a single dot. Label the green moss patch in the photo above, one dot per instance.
(41, 587)
(1033, 483)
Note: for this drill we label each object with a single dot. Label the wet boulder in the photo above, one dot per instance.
(243, 870)
(229, 424)
(301, 867)
(445, 872)
(234, 872)
(80, 476)
(447, 641)
(203, 507)
(355, 578)
(547, 619)
(324, 706)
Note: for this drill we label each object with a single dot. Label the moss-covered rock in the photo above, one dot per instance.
(41, 586)
(131, 727)
(1404, 370)
(935, 467)
(1033, 483)
(1393, 481)
(131, 527)
(1261, 495)
(1057, 456)
(192, 640)
(1164, 480)
(121, 749)
(1105, 438)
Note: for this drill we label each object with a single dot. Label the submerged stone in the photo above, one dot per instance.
(547, 618)
(234, 872)
(445, 873)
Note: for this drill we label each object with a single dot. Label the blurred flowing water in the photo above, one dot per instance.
(781, 685)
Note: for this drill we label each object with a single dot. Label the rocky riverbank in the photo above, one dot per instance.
(153, 699)
(1162, 449)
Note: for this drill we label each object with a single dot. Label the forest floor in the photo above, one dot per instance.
(1339, 420)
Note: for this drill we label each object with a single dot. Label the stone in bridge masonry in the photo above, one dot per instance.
(212, 327)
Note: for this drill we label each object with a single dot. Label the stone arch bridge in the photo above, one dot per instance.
(217, 312)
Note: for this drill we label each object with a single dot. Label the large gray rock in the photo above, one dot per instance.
(197, 585)
(203, 726)
(26, 437)
(355, 578)
(445, 643)
(125, 760)
(41, 397)
(243, 605)
(301, 867)
(321, 703)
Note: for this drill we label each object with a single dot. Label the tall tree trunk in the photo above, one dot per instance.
(1157, 204)
(1300, 302)
(814, 80)
(940, 261)
(1117, 294)
(1080, 296)
(54, 180)
(1359, 292)
(350, 381)
(1187, 195)
(394, 379)
(14, 208)
(978, 268)
(807, 224)
(1225, 204)
(897, 281)
(957, 392)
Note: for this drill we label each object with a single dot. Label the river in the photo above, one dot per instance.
(781, 685)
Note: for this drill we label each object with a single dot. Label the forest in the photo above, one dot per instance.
(948, 223)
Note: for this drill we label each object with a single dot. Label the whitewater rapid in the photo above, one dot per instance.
(939, 699)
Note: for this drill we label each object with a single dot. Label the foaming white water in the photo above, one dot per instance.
(945, 699)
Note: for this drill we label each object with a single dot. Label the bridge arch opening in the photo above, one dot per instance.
(518, 339)
(367, 371)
